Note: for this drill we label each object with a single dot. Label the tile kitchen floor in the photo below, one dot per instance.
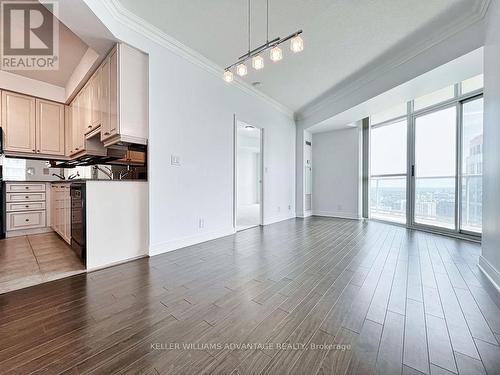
(35, 259)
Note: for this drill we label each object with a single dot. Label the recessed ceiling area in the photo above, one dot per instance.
(341, 37)
(455, 71)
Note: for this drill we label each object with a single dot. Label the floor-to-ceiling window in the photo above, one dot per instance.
(435, 168)
(426, 160)
(472, 166)
(388, 171)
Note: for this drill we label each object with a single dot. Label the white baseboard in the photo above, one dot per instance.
(92, 269)
(276, 219)
(303, 215)
(337, 214)
(490, 272)
(179, 243)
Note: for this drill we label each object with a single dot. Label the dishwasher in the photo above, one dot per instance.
(78, 220)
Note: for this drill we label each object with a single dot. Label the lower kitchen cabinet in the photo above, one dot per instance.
(25, 220)
(60, 202)
(25, 208)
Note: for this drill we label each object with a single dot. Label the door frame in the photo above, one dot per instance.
(237, 121)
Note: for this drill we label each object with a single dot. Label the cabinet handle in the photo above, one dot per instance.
(26, 197)
(27, 220)
(26, 206)
(89, 126)
(33, 150)
(37, 150)
(106, 133)
(26, 187)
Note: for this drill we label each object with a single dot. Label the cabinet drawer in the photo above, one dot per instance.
(25, 220)
(18, 188)
(27, 197)
(27, 206)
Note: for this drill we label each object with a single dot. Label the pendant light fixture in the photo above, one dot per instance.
(241, 70)
(276, 54)
(255, 55)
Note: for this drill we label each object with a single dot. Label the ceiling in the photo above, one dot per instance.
(341, 37)
(71, 51)
(455, 71)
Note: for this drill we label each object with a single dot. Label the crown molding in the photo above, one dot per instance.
(142, 27)
(479, 10)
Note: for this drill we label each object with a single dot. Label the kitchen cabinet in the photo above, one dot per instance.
(77, 118)
(61, 210)
(19, 122)
(126, 109)
(95, 100)
(133, 157)
(68, 131)
(32, 126)
(85, 139)
(50, 136)
(25, 208)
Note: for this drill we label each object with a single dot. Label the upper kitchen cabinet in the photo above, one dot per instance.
(124, 101)
(50, 134)
(18, 122)
(96, 88)
(32, 126)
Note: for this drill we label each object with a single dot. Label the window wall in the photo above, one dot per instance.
(426, 160)
(388, 171)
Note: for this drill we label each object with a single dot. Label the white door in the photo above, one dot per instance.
(248, 176)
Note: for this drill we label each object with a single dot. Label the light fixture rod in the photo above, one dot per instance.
(259, 49)
(248, 26)
(263, 47)
(267, 21)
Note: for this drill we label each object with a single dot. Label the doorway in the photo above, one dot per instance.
(248, 176)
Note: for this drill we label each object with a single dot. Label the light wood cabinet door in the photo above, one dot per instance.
(112, 127)
(18, 122)
(49, 127)
(77, 124)
(104, 102)
(96, 93)
(68, 121)
(85, 113)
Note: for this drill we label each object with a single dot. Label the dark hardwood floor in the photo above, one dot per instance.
(314, 296)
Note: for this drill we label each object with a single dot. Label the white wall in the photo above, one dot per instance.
(490, 260)
(337, 160)
(117, 222)
(191, 115)
(247, 175)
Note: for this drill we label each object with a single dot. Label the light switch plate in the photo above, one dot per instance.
(175, 160)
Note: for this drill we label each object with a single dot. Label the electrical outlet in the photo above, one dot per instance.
(175, 160)
(289, 207)
(201, 223)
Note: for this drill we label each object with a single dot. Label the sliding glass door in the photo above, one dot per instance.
(426, 161)
(435, 168)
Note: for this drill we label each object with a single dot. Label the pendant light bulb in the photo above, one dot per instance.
(297, 44)
(276, 54)
(258, 62)
(228, 76)
(241, 70)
